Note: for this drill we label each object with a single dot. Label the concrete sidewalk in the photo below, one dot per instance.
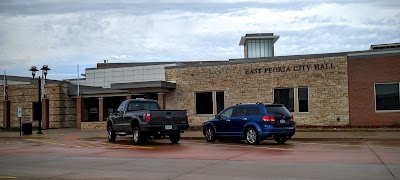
(72, 133)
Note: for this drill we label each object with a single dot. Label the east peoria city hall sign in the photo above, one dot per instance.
(298, 68)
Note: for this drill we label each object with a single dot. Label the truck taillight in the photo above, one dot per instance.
(291, 118)
(268, 118)
(187, 117)
(148, 117)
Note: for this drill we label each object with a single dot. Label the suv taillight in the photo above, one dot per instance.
(268, 118)
(187, 117)
(291, 118)
(147, 117)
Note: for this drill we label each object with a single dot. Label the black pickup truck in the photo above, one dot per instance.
(144, 119)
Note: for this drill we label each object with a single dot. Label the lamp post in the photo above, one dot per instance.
(44, 69)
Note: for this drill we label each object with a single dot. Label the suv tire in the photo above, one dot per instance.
(209, 134)
(252, 136)
(280, 140)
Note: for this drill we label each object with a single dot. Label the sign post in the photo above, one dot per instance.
(20, 120)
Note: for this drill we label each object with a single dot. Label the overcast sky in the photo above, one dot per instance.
(62, 34)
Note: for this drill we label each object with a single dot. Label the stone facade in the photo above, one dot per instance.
(254, 81)
(94, 125)
(62, 109)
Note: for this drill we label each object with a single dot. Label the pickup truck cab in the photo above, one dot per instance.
(253, 122)
(143, 119)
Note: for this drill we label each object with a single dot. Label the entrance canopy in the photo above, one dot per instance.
(145, 87)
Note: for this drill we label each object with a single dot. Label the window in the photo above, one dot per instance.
(303, 99)
(294, 99)
(121, 106)
(143, 105)
(37, 111)
(387, 97)
(227, 113)
(285, 97)
(209, 102)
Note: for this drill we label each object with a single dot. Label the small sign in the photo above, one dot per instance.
(19, 111)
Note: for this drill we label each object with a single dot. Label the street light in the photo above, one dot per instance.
(44, 69)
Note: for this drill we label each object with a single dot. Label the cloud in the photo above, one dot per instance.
(62, 34)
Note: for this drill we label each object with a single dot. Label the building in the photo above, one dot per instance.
(359, 88)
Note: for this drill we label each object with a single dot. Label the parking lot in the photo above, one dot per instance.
(96, 158)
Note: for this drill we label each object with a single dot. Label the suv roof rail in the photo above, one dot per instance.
(259, 103)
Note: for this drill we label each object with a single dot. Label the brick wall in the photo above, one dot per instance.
(243, 82)
(62, 111)
(364, 72)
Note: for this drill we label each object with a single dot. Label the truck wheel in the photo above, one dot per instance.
(252, 136)
(209, 134)
(111, 134)
(174, 138)
(137, 137)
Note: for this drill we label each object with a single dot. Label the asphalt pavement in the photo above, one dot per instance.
(301, 134)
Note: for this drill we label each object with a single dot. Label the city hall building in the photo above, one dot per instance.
(359, 88)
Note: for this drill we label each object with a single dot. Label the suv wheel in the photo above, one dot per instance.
(174, 138)
(111, 134)
(280, 140)
(252, 136)
(209, 133)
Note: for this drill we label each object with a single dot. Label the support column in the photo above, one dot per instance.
(45, 114)
(6, 114)
(161, 100)
(79, 111)
(101, 109)
(129, 96)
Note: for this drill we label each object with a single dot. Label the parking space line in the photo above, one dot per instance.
(347, 145)
(246, 146)
(90, 144)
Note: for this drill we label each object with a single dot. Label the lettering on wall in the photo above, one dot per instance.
(299, 68)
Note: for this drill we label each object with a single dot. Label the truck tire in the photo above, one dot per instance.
(111, 134)
(137, 135)
(174, 138)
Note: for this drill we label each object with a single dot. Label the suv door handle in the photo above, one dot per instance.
(244, 119)
(228, 120)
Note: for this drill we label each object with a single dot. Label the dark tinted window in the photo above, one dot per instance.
(204, 103)
(239, 111)
(387, 96)
(303, 99)
(143, 105)
(277, 110)
(285, 97)
(220, 101)
(251, 111)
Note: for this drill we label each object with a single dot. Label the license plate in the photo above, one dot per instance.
(168, 126)
(282, 121)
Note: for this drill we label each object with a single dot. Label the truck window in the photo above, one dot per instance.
(121, 106)
(143, 105)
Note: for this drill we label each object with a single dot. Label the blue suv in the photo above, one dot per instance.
(253, 122)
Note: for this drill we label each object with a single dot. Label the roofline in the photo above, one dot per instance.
(243, 39)
(377, 52)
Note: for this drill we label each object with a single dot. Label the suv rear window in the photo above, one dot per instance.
(277, 109)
